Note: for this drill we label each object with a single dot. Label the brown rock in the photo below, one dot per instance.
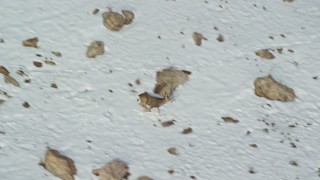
(49, 62)
(26, 105)
(37, 64)
(168, 123)
(32, 42)
(95, 11)
(4, 71)
(187, 130)
(269, 88)
(144, 178)
(114, 170)
(11, 80)
(230, 120)
(113, 21)
(59, 165)
(56, 53)
(53, 85)
(265, 54)
(96, 48)
(129, 16)
(220, 38)
(169, 79)
(197, 37)
(173, 151)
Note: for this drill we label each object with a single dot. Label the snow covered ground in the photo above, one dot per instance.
(87, 122)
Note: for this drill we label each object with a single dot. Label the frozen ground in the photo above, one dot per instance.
(92, 126)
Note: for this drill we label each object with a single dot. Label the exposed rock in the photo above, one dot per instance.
(4, 71)
(269, 88)
(114, 170)
(129, 16)
(230, 120)
(11, 80)
(169, 79)
(113, 21)
(144, 178)
(265, 54)
(96, 48)
(197, 37)
(59, 165)
(32, 42)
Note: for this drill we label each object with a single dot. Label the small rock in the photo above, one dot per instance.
(32, 42)
(187, 130)
(293, 163)
(220, 38)
(137, 81)
(173, 151)
(254, 145)
(193, 177)
(280, 50)
(293, 145)
(197, 38)
(37, 64)
(290, 50)
(167, 123)
(11, 80)
(266, 130)
(170, 171)
(144, 178)
(95, 11)
(230, 120)
(26, 104)
(129, 16)
(96, 48)
(53, 85)
(114, 170)
(21, 72)
(251, 170)
(4, 71)
(56, 53)
(49, 62)
(265, 54)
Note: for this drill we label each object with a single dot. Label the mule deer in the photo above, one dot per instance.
(152, 101)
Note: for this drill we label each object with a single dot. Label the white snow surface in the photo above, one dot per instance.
(93, 126)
